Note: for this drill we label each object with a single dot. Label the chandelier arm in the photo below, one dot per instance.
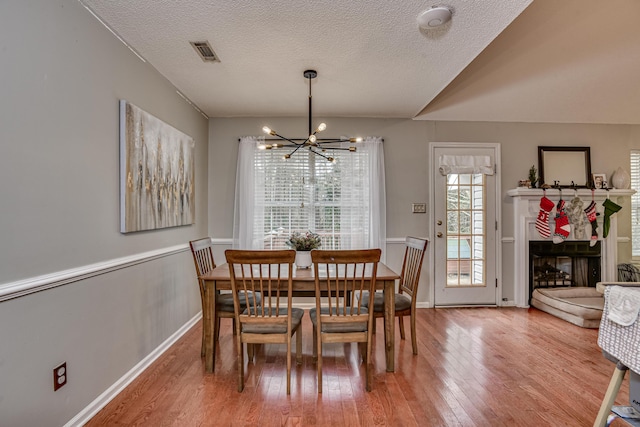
(297, 148)
(334, 148)
(287, 139)
(318, 153)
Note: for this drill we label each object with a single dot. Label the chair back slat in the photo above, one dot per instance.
(415, 249)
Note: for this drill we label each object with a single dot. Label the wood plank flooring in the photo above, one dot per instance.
(475, 367)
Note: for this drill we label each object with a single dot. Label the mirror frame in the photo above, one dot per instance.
(569, 166)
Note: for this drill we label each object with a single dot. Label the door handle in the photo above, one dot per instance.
(439, 234)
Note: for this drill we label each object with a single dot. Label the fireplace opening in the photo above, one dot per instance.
(572, 263)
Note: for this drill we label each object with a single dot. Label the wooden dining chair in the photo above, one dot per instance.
(339, 315)
(267, 273)
(202, 250)
(405, 301)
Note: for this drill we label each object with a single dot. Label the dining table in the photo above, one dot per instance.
(303, 284)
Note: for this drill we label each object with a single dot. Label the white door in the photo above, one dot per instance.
(464, 210)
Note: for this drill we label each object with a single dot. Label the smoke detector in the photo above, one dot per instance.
(434, 17)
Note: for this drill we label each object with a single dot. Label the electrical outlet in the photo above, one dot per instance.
(59, 376)
(419, 208)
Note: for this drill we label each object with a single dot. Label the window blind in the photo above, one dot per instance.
(306, 192)
(635, 203)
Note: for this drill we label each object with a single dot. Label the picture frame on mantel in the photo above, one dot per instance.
(565, 167)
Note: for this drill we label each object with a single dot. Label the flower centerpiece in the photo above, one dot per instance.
(303, 243)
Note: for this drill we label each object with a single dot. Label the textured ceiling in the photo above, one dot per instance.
(569, 61)
(371, 57)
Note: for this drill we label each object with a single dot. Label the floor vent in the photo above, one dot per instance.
(205, 51)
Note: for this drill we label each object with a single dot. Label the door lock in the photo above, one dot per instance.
(439, 234)
(439, 222)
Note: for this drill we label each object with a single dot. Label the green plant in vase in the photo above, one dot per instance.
(303, 243)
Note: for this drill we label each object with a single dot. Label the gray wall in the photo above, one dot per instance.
(62, 76)
(406, 156)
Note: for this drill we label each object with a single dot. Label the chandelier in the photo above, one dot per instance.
(316, 145)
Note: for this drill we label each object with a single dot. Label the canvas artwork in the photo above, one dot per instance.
(157, 172)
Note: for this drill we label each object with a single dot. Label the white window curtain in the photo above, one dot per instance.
(244, 207)
(274, 196)
(449, 164)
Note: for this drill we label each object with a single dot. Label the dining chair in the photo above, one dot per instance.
(202, 250)
(405, 301)
(339, 315)
(267, 273)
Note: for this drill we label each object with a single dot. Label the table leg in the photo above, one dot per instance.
(210, 326)
(389, 329)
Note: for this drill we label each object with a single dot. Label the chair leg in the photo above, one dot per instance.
(318, 353)
(414, 339)
(368, 366)
(319, 367)
(203, 340)
(299, 346)
(315, 345)
(251, 352)
(289, 365)
(233, 325)
(401, 324)
(217, 337)
(610, 395)
(240, 364)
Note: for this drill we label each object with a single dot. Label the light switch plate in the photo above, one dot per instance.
(419, 208)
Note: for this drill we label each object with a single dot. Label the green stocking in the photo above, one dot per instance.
(609, 209)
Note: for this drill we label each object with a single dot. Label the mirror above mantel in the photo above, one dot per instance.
(565, 167)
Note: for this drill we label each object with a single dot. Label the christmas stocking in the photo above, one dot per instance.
(577, 218)
(542, 222)
(563, 228)
(609, 209)
(592, 216)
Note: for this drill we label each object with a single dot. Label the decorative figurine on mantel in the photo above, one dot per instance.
(533, 176)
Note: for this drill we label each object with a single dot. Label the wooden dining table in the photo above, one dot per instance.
(303, 285)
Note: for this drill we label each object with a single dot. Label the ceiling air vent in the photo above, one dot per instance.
(205, 51)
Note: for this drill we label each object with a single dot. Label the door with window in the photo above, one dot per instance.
(463, 208)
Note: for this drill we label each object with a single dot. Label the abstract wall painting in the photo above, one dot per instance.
(157, 172)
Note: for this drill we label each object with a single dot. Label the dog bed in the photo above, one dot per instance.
(580, 305)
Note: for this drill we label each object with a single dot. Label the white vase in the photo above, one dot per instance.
(621, 179)
(303, 259)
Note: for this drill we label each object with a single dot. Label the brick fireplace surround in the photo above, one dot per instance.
(526, 205)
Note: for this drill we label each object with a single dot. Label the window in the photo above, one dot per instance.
(343, 201)
(635, 203)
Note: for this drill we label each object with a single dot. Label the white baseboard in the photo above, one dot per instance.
(101, 401)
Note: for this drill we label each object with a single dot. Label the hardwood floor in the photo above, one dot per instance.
(475, 367)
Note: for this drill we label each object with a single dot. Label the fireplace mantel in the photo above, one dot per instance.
(526, 205)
